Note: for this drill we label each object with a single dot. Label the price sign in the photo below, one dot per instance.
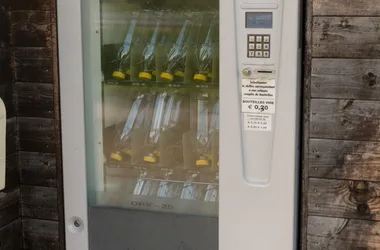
(258, 96)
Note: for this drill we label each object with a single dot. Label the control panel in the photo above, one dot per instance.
(258, 46)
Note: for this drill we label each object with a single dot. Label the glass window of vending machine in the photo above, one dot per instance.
(179, 123)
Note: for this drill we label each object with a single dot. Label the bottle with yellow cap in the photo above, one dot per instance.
(204, 57)
(176, 58)
(134, 120)
(154, 133)
(202, 130)
(123, 60)
(213, 130)
(148, 60)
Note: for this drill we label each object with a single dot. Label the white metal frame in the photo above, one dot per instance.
(249, 215)
(258, 214)
(72, 118)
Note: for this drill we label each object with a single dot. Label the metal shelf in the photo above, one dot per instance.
(176, 174)
(163, 84)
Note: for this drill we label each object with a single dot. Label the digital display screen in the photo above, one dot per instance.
(259, 20)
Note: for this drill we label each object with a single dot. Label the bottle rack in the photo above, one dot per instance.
(168, 184)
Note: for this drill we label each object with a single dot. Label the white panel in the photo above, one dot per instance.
(72, 118)
(258, 213)
(3, 123)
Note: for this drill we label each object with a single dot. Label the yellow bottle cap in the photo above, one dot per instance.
(179, 73)
(202, 163)
(200, 78)
(145, 76)
(118, 75)
(150, 159)
(128, 71)
(209, 74)
(156, 152)
(166, 76)
(116, 156)
(127, 151)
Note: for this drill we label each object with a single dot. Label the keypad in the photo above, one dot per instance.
(258, 46)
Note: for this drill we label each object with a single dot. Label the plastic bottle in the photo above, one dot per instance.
(155, 128)
(202, 131)
(148, 60)
(124, 55)
(134, 120)
(205, 57)
(175, 64)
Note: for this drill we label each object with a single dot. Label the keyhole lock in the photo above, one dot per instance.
(247, 72)
(75, 225)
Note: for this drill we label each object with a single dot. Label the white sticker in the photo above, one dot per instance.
(258, 96)
(258, 89)
(257, 122)
(258, 106)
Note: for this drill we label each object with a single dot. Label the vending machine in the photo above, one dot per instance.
(180, 123)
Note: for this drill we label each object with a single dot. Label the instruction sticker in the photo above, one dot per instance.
(257, 122)
(258, 96)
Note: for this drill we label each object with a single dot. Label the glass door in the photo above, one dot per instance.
(151, 90)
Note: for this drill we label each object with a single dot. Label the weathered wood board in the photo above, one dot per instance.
(344, 198)
(341, 234)
(36, 134)
(39, 202)
(346, 37)
(34, 99)
(345, 78)
(345, 119)
(353, 160)
(345, 7)
(40, 234)
(11, 236)
(38, 169)
(31, 28)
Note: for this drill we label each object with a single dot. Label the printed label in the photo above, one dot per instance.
(258, 106)
(257, 122)
(258, 96)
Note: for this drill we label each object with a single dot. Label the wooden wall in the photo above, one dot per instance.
(10, 222)
(30, 86)
(341, 161)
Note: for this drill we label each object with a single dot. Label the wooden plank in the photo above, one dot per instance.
(4, 29)
(30, 5)
(307, 60)
(31, 28)
(346, 37)
(34, 99)
(338, 234)
(33, 65)
(36, 134)
(355, 160)
(11, 130)
(11, 236)
(346, 7)
(40, 234)
(9, 205)
(345, 119)
(38, 202)
(38, 169)
(345, 78)
(6, 72)
(343, 198)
